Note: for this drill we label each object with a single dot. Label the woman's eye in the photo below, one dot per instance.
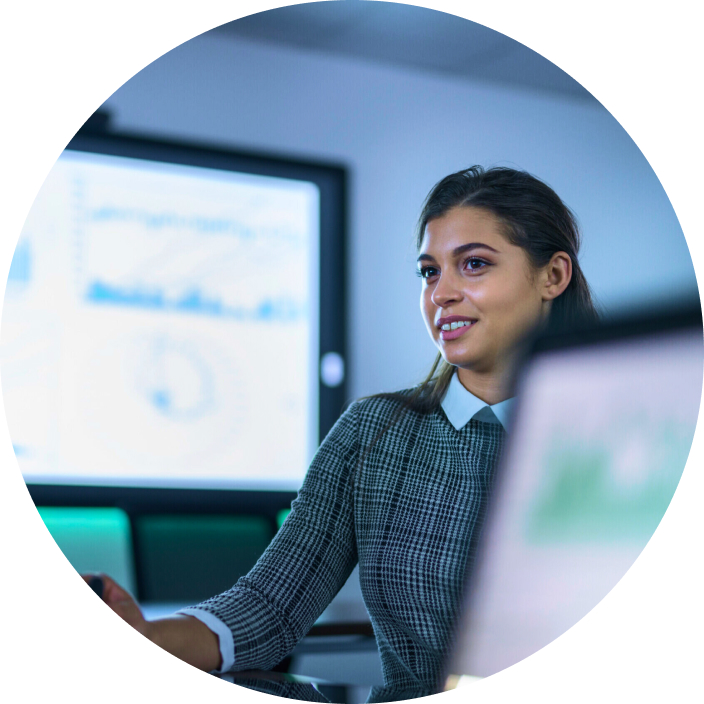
(475, 264)
(425, 272)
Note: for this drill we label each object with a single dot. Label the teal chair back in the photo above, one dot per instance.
(183, 559)
(94, 540)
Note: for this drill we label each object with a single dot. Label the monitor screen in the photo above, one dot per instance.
(161, 326)
(600, 439)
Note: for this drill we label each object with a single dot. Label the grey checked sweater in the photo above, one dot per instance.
(409, 513)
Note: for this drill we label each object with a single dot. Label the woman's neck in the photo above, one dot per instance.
(491, 388)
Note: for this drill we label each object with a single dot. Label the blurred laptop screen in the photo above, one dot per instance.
(599, 442)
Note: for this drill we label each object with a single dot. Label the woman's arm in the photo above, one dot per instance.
(183, 636)
(188, 639)
(272, 607)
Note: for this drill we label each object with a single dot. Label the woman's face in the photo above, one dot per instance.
(475, 279)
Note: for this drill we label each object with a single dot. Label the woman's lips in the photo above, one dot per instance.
(458, 332)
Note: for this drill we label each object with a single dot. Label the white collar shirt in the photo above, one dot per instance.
(461, 406)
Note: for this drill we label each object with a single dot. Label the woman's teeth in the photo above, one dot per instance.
(458, 324)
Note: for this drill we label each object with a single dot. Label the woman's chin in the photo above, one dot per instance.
(457, 359)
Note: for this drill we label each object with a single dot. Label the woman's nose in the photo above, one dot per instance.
(446, 292)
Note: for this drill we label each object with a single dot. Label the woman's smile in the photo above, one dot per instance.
(480, 294)
(454, 326)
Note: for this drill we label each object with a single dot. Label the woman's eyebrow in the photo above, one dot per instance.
(460, 250)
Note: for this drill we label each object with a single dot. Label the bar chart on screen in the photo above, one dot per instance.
(159, 321)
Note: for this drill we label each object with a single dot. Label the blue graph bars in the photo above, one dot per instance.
(193, 302)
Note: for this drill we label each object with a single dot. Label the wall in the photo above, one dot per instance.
(399, 132)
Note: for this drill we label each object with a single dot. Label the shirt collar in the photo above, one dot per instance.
(461, 406)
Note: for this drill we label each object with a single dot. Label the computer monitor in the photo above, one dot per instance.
(174, 321)
(602, 429)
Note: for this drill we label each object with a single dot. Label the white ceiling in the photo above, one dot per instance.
(408, 36)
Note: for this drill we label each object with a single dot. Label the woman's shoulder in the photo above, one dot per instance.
(384, 399)
(381, 408)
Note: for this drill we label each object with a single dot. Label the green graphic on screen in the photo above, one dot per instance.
(613, 486)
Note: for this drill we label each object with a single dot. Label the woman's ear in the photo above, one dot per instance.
(557, 275)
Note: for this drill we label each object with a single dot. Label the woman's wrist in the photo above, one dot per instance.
(168, 633)
(150, 630)
(186, 638)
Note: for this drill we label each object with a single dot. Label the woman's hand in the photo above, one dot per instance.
(121, 602)
(183, 636)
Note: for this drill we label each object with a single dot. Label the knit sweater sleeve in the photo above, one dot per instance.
(272, 607)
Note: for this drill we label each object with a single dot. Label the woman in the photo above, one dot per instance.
(400, 483)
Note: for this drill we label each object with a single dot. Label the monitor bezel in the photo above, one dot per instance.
(332, 182)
